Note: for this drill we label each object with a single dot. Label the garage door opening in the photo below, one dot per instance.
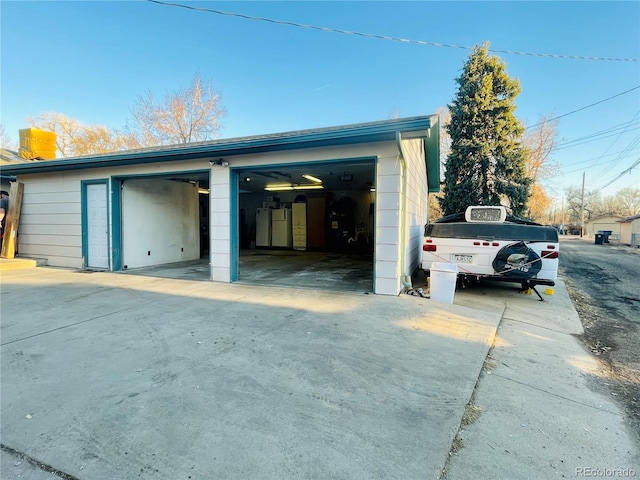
(164, 225)
(307, 225)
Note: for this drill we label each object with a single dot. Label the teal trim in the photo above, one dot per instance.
(432, 149)
(375, 222)
(178, 173)
(84, 222)
(234, 224)
(235, 202)
(343, 135)
(310, 163)
(85, 216)
(116, 222)
(116, 209)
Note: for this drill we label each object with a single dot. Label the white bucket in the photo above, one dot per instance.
(443, 281)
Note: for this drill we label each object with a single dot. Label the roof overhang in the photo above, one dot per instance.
(324, 137)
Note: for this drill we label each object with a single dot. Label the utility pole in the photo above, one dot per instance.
(582, 208)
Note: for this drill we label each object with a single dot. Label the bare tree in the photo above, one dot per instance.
(5, 140)
(75, 139)
(66, 129)
(624, 203)
(629, 200)
(96, 139)
(184, 116)
(540, 142)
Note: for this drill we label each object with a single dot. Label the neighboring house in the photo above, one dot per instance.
(151, 206)
(7, 157)
(630, 230)
(603, 222)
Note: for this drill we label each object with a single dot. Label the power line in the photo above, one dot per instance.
(579, 109)
(621, 156)
(582, 142)
(385, 37)
(632, 124)
(628, 170)
(628, 149)
(592, 159)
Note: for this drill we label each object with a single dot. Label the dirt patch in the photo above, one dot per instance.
(471, 414)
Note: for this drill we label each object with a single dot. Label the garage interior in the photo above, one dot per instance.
(307, 225)
(302, 225)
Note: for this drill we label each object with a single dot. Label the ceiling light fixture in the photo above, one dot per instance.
(311, 178)
(222, 162)
(289, 186)
(278, 187)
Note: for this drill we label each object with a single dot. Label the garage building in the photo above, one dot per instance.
(346, 202)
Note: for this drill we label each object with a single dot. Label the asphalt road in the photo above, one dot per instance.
(603, 281)
(609, 273)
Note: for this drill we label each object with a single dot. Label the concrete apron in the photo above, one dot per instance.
(108, 376)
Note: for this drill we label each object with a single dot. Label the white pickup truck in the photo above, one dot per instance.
(485, 243)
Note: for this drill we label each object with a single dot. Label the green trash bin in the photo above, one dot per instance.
(599, 238)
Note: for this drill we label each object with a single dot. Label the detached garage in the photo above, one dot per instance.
(345, 202)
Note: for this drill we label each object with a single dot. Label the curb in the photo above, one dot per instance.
(7, 264)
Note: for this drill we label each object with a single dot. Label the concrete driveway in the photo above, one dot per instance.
(111, 376)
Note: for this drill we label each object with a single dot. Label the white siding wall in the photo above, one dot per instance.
(160, 222)
(51, 216)
(220, 224)
(50, 219)
(387, 236)
(389, 205)
(417, 207)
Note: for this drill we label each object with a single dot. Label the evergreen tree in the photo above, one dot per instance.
(487, 161)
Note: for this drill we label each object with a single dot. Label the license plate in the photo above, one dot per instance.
(463, 258)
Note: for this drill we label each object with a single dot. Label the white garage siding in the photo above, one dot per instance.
(387, 235)
(417, 208)
(220, 223)
(51, 214)
(50, 219)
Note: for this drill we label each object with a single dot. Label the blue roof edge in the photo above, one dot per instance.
(384, 130)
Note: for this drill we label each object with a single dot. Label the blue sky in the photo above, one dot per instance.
(89, 60)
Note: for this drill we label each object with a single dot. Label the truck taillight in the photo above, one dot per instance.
(549, 254)
(429, 247)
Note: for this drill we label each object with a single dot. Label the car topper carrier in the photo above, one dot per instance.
(485, 243)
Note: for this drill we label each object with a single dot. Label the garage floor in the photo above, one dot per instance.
(285, 268)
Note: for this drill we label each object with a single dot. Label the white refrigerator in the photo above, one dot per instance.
(263, 227)
(299, 221)
(281, 227)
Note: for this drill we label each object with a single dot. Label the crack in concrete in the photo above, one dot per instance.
(32, 461)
